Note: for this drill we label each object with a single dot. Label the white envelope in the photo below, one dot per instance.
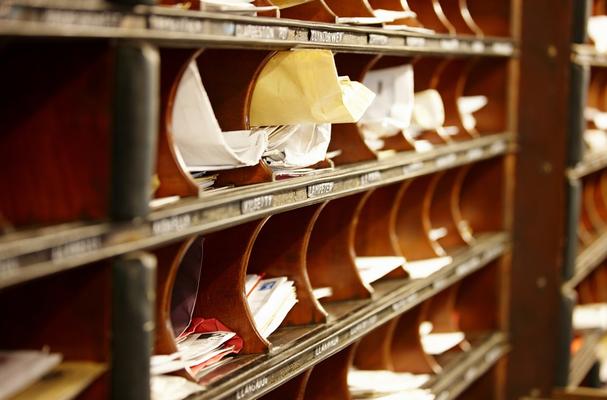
(597, 30)
(428, 110)
(198, 138)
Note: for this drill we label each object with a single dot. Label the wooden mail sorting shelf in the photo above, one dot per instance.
(391, 360)
(351, 263)
(177, 26)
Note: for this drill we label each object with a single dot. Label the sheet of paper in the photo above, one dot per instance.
(322, 292)
(307, 145)
(21, 368)
(590, 316)
(166, 387)
(467, 106)
(245, 7)
(392, 15)
(428, 110)
(391, 110)
(596, 116)
(382, 381)
(65, 382)
(198, 138)
(270, 302)
(438, 343)
(597, 30)
(596, 140)
(374, 268)
(421, 269)
(302, 86)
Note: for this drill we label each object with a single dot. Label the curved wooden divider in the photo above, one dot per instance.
(442, 226)
(350, 8)
(46, 158)
(329, 378)
(431, 16)
(347, 137)
(280, 250)
(374, 232)
(396, 5)
(427, 71)
(410, 219)
(477, 201)
(492, 18)
(221, 290)
(294, 389)
(459, 16)
(478, 303)
(487, 77)
(330, 253)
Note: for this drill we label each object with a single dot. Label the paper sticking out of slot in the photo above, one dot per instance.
(269, 302)
(299, 146)
(167, 387)
(21, 368)
(244, 7)
(289, 3)
(322, 292)
(302, 86)
(373, 268)
(439, 343)
(467, 106)
(428, 110)
(421, 269)
(391, 110)
(595, 140)
(376, 383)
(597, 30)
(199, 141)
(65, 382)
(596, 116)
(590, 316)
(380, 16)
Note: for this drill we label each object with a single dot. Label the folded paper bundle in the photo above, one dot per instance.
(391, 110)
(302, 86)
(467, 106)
(295, 98)
(372, 269)
(21, 368)
(270, 300)
(204, 343)
(597, 30)
(383, 384)
(590, 316)
(436, 343)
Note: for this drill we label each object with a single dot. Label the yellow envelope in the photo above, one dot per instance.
(302, 86)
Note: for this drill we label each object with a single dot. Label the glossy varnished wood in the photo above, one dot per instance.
(329, 379)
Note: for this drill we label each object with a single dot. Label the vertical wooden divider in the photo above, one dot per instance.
(169, 260)
(221, 290)
(409, 219)
(426, 71)
(478, 200)
(430, 14)
(280, 250)
(408, 354)
(440, 310)
(374, 234)
(374, 350)
(441, 215)
(171, 170)
(329, 378)
(331, 254)
(487, 77)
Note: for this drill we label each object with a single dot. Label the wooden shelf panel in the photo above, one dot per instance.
(167, 26)
(26, 255)
(584, 358)
(249, 377)
(587, 261)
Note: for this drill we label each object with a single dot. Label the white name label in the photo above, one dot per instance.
(74, 248)
(410, 168)
(363, 326)
(474, 154)
(256, 204)
(325, 346)
(446, 160)
(416, 41)
(251, 388)
(172, 224)
(370, 177)
(320, 189)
